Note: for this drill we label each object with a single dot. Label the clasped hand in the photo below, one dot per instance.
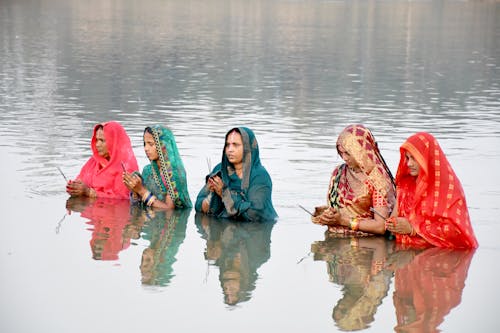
(398, 225)
(329, 216)
(132, 181)
(76, 188)
(215, 184)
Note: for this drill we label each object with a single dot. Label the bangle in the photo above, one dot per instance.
(145, 196)
(354, 224)
(151, 200)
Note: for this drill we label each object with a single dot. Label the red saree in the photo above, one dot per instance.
(104, 176)
(434, 201)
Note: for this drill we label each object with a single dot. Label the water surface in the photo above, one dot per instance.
(296, 72)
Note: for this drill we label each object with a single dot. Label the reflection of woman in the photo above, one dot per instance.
(166, 231)
(163, 183)
(238, 249)
(358, 264)
(431, 208)
(429, 287)
(101, 175)
(107, 218)
(239, 187)
(362, 182)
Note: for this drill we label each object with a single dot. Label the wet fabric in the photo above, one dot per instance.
(104, 176)
(434, 201)
(170, 177)
(245, 199)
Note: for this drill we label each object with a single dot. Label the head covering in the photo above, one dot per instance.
(360, 143)
(170, 177)
(434, 201)
(250, 196)
(251, 159)
(104, 176)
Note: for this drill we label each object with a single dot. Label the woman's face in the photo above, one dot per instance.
(100, 144)
(348, 159)
(150, 147)
(234, 148)
(412, 164)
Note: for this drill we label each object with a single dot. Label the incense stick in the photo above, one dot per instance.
(374, 211)
(62, 173)
(308, 212)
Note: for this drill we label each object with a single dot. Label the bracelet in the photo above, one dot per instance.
(354, 224)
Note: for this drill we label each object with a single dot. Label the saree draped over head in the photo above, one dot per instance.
(104, 176)
(170, 177)
(248, 198)
(376, 189)
(434, 201)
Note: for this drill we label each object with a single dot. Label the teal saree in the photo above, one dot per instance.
(170, 177)
(245, 199)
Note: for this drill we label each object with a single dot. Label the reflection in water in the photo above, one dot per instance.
(428, 283)
(357, 264)
(165, 231)
(108, 218)
(429, 287)
(238, 249)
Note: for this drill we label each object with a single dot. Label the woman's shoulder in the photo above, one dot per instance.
(338, 169)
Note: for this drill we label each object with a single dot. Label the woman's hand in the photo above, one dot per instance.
(330, 216)
(398, 225)
(215, 184)
(133, 182)
(77, 188)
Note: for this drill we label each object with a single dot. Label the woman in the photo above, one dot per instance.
(362, 183)
(239, 187)
(101, 176)
(163, 182)
(431, 208)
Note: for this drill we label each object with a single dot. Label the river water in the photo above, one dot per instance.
(296, 72)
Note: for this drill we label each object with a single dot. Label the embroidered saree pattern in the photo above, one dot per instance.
(374, 188)
(434, 202)
(104, 176)
(170, 176)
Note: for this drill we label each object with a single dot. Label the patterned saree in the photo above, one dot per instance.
(374, 188)
(434, 201)
(170, 177)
